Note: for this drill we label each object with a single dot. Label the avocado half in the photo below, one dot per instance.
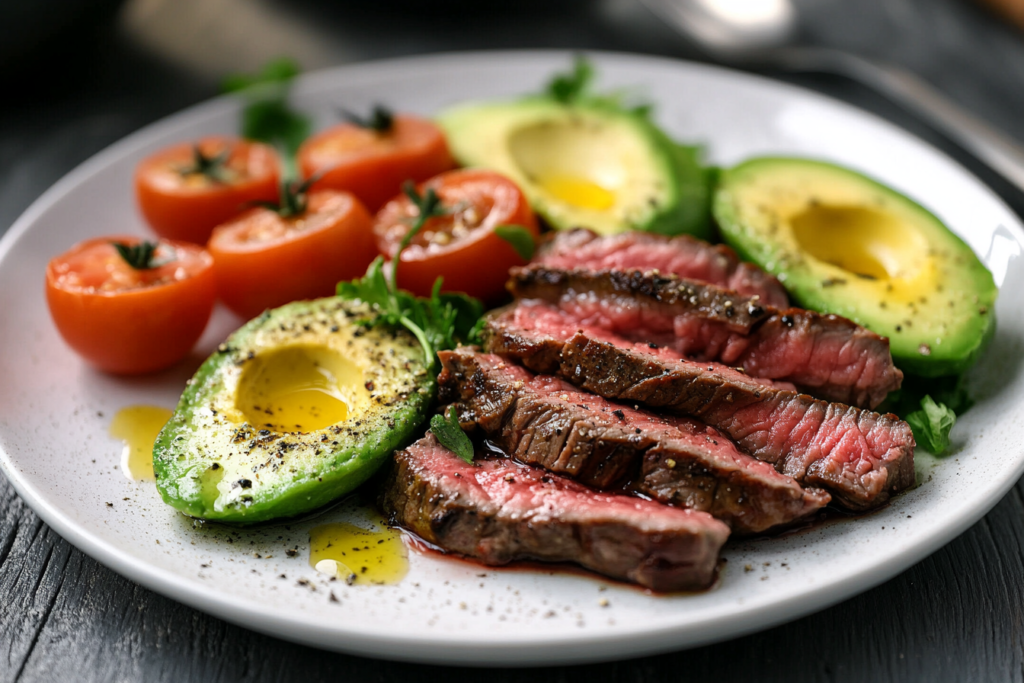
(586, 165)
(296, 408)
(843, 243)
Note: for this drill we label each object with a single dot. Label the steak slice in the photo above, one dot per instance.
(685, 256)
(859, 456)
(497, 511)
(542, 420)
(826, 355)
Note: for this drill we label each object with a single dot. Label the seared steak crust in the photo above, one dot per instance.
(861, 457)
(497, 511)
(826, 355)
(685, 256)
(545, 421)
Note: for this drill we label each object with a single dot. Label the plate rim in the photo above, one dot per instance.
(573, 648)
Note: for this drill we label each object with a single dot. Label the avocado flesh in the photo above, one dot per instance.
(296, 408)
(843, 243)
(594, 166)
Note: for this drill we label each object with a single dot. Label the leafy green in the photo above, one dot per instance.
(519, 237)
(449, 432)
(575, 87)
(930, 406)
(932, 424)
(138, 256)
(570, 87)
(381, 119)
(267, 116)
(439, 322)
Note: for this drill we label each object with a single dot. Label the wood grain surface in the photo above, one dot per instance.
(956, 616)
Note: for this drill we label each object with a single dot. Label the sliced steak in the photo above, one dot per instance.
(826, 355)
(685, 256)
(542, 420)
(498, 511)
(860, 457)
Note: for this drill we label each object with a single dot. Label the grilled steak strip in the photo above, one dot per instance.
(545, 421)
(826, 355)
(684, 256)
(860, 457)
(498, 510)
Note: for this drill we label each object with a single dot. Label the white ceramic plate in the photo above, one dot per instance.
(55, 412)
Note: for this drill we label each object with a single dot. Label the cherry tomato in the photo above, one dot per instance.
(373, 165)
(263, 260)
(185, 194)
(460, 246)
(130, 321)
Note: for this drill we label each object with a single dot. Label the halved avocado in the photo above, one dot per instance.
(589, 165)
(843, 243)
(295, 409)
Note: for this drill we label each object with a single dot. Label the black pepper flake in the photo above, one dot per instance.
(243, 483)
(619, 414)
(788, 321)
(652, 345)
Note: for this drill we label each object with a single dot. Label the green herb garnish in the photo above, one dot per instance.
(932, 424)
(519, 237)
(380, 120)
(571, 87)
(930, 406)
(449, 432)
(138, 256)
(438, 322)
(214, 167)
(267, 117)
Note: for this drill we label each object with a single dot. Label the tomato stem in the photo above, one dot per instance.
(429, 206)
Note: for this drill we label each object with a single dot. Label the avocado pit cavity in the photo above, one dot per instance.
(864, 241)
(300, 389)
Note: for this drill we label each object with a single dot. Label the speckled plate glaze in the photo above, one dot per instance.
(55, 412)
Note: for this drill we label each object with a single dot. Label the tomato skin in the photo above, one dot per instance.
(138, 321)
(263, 260)
(188, 208)
(476, 262)
(374, 166)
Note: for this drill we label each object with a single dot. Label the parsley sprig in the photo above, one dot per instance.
(438, 322)
(576, 87)
(267, 115)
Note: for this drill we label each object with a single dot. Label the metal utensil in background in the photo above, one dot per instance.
(762, 33)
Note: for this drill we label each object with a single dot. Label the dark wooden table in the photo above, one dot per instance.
(956, 616)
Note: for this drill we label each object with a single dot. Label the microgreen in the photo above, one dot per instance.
(380, 119)
(438, 322)
(138, 256)
(519, 238)
(267, 116)
(449, 432)
(214, 168)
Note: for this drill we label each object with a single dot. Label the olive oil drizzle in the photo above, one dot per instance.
(138, 426)
(372, 554)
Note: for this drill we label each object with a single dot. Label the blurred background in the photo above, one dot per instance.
(79, 74)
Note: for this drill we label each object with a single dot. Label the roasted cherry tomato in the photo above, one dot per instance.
(264, 260)
(126, 320)
(187, 190)
(373, 164)
(461, 245)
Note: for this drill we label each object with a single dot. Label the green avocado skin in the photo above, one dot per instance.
(675, 199)
(214, 468)
(954, 322)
